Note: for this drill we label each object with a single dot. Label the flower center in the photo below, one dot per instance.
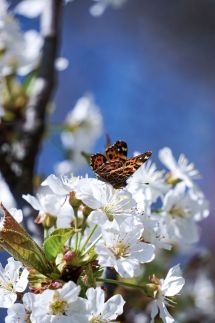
(120, 249)
(177, 212)
(58, 306)
(154, 288)
(97, 319)
(108, 211)
(8, 286)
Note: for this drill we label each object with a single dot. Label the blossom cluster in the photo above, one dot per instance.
(90, 227)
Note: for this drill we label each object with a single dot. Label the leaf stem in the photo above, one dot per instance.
(88, 238)
(46, 233)
(92, 244)
(120, 283)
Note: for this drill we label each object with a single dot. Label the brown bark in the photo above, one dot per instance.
(18, 171)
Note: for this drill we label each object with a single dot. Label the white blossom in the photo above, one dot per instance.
(12, 280)
(122, 249)
(153, 232)
(179, 170)
(203, 293)
(6, 195)
(20, 52)
(20, 313)
(51, 204)
(107, 203)
(62, 305)
(181, 212)
(101, 311)
(32, 8)
(147, 184)
(83, 127)
(167, 288)
(61, 186)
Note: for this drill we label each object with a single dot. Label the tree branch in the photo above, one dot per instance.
(18, 168)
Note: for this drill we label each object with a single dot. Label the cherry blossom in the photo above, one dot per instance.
(166, 288)
(13, 280)
(122, 248)
(101, 311)
(181, 170)
(107, 203)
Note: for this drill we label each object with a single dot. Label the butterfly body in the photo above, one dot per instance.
(115, 168)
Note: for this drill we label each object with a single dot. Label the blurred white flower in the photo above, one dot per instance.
(122, 249)
(49, 204)
(30, 55)
(181, 212)
(64, 167)
(12, 280)
(153, 232)
(5, 194)
(147, 184)
(32, 8)
(101, 311)
(19, 52)
(166, 288)
(99, 7)
(61, 186)
(179, 170)
(3, 7)
(61, 63)
(83, 127)
(107, 203)
(203, 293)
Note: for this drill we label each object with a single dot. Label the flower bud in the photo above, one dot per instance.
(86, 211)
(71, 258)
(151, 290)
(48, 220)
(74, 201)
(171, 180)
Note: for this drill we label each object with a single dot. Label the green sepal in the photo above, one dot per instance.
(18, 243)
(29, 82)
(56, 241)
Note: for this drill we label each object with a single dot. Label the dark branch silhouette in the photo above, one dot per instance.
(18, 169)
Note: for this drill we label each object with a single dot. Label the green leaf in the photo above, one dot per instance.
(17, 242)
(56, 241)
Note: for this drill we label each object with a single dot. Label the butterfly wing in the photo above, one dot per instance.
(97, 161)
(137, 161)
(116, 168)
(106, 171)
(117, 151)
(117, 176)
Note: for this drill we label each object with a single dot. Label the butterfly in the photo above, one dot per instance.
(115, 168)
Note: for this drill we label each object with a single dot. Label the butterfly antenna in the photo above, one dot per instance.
(86, 156)
(108, 141)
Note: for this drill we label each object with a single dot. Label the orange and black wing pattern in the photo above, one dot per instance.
(117, 151)
(115, 168)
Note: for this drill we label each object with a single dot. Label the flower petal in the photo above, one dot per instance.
(173, 282)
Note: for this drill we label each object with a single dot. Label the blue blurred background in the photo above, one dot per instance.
(151, 68)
